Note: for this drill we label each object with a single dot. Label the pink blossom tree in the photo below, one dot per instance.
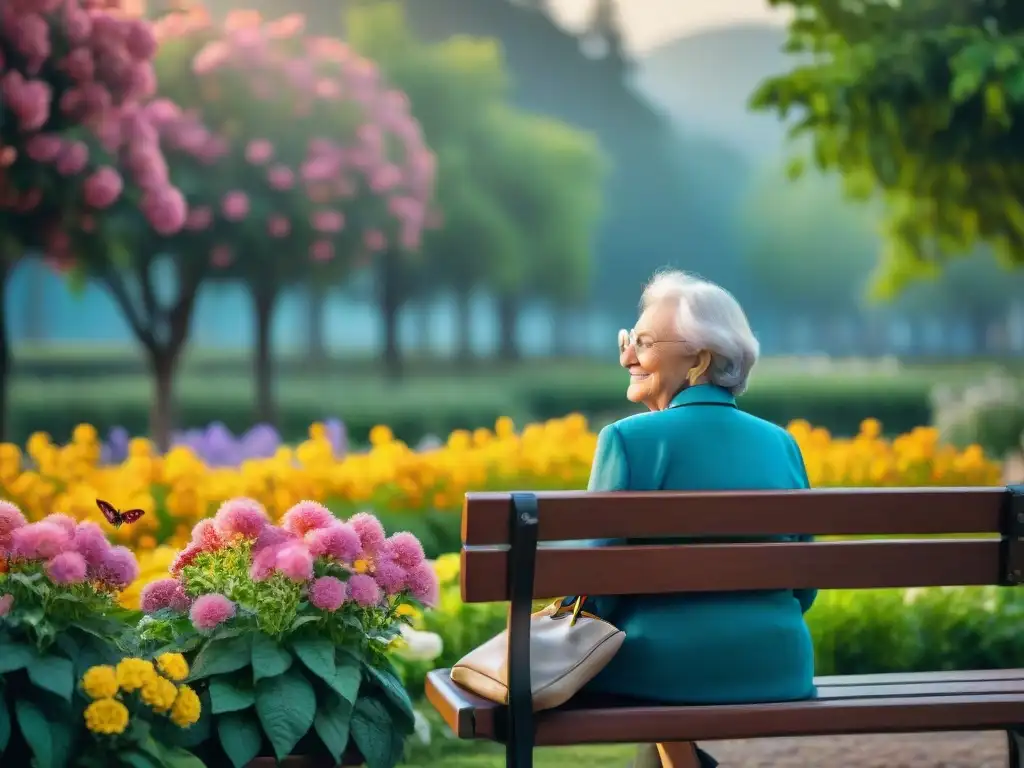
(72, 74)
(328, 164)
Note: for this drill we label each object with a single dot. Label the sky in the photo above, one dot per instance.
(648, 23)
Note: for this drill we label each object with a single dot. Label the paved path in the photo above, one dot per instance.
(933, 750)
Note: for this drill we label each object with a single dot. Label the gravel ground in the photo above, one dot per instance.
(916, 750)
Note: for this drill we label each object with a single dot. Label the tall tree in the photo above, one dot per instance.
(921, 103)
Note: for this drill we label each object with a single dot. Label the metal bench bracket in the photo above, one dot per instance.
(519, 733)
(1013, 536)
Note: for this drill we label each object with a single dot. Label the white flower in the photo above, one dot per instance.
(421, 727)
(420, 646)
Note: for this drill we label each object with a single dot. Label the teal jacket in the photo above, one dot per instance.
(736, 647)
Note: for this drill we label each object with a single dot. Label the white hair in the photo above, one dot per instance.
(709, 318)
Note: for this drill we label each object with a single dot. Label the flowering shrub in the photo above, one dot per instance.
(307, 611)
(178, 489)
(136, 711)
(59, 582)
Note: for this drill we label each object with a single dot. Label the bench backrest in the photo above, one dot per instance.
(992, 552)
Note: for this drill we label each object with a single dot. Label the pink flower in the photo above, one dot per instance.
(72, 159)
(307, 516)
(44, 147)
(39, 541)
(338, 541)
(328, 221)
(364, 590)
(278, 226)
(221, 256)
(164, 593)
(31, 37)
(199, 218)
(205, 535)
(374, 240)
(422, 583)
(32, 105)
(390, 576)
(6, 603)
(11, 520)
(91, 543)
(259, 151)
(210, 611)
(64, 521)
(263, 562)
(119, 568)
(102, 188)
(139, 39)
(295, 562)
(67, 568)
(371, 533)
(272, 536)
(165, 209)
(405, 549)
(79, 65)
(235, 205)
(241, 518)
(327, 593)
(322, 250)
(281, 178)
(77, 23)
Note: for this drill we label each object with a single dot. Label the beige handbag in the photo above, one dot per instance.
(568, 647)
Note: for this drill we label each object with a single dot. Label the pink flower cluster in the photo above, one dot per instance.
(104, 71)
(72, 552)
(378, 566)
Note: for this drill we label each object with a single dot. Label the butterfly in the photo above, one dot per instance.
(117, 518)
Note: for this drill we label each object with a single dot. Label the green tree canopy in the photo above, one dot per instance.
(921, 103)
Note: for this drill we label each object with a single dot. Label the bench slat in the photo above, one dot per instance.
(904, 678)
(660, 569)
(878, 704)
(577, 515)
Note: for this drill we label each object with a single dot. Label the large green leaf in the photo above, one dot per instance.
(36, 730)
(317, 654)
(15, 656)
(175, 757)
(396, 695)
(332, 722)
(240, 737)
(374, 733)
(229, 694)
(220, 656)
(54, 674)
(286, 706)
(269, 659)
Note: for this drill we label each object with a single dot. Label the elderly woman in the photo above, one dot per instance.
(688, 357)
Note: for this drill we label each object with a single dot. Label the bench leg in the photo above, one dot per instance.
(1016, 742)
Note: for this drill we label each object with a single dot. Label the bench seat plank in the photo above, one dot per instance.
(898, 703)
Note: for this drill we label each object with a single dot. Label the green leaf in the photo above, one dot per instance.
(176, 757)
(269, 659)
(375, 735)
(226, 695)
(36, 730)
(332, 724)
(15, 656)
(286, 706)
(54, 674)
(218, 657)
(396, 695)
(240, 737)
(317, 653)
(135, 759)
(5, 723)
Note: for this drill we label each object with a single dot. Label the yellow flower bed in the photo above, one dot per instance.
(177, 489)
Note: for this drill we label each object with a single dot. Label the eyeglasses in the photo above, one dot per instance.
(642, 342)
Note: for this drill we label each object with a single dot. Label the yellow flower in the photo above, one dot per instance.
(159, 694)
(172, 666)
(361, 566)
(186, 708)
(100, 682)
(408, 610)
(107, 716)
(381, 435)
(132, 674)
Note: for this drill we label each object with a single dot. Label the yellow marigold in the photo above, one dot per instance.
(186, 708)
(132, 674)
(408, 610)
(172, 666)
(159, 694)
(107, 716)
(100, 682)
(447, 568)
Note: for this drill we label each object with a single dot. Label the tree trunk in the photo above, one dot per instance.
(5, 346)
(264, 300)
(35, 302)
(463, 326)
(508, 320)
(390, 302)
(162, 364)
(316, 305)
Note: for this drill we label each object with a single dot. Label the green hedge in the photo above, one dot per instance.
(436, 405)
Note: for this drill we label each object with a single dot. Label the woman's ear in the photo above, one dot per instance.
(701, 367)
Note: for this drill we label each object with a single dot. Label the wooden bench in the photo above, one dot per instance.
(501, 561)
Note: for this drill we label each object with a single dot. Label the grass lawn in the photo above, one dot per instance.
(453, 754)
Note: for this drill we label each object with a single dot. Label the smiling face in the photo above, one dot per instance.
(656, 357)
